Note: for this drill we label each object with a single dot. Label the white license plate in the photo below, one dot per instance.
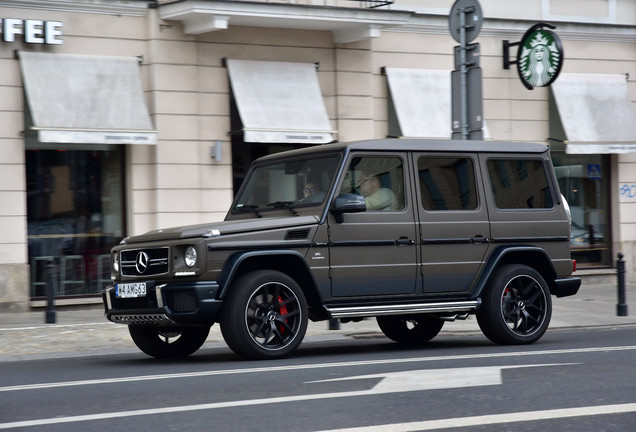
(131, 290)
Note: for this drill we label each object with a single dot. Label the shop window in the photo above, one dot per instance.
(583, 180)
(75, 212)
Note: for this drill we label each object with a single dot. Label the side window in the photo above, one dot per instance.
(519, 184)
(379, 179)
(447, 183)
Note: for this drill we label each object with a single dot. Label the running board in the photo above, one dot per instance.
(403, 309)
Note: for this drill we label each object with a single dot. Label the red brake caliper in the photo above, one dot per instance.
(283, 311)
(505, 293)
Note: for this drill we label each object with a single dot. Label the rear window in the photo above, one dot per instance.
(519, 184)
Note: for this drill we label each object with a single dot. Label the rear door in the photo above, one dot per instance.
(453, 221)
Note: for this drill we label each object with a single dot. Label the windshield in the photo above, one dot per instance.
(288, 185)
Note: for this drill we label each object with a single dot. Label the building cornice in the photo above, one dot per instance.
(346, 24)
(515, 29)
(109, 7)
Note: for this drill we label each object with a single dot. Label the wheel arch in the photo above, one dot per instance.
(289, 262)
(530, 256)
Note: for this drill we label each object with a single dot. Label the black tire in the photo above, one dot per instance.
(410, 329)
(168, 342)
(516, 306)
(264, 315)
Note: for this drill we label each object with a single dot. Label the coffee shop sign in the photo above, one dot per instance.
(31, 31)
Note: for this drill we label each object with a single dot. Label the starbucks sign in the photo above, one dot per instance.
(539, 58)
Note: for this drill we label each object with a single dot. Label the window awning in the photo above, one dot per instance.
(86, 99)
(279, 102)
(420, 103)
(596, 113)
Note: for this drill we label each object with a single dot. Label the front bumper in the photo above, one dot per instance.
(165, 304)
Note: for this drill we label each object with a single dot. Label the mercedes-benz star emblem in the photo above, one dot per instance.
(141, 262)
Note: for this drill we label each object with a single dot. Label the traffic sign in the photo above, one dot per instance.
(473, 19)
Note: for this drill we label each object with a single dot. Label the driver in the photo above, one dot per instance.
(375, 196)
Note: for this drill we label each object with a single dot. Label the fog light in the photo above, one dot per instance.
(191, 256)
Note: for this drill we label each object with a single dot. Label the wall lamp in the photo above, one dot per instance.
(216, 151)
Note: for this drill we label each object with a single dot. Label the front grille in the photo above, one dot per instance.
(144, 262)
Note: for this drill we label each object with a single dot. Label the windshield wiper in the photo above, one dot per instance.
(284, 204)
(250, 208)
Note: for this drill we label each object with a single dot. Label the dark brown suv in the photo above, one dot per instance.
(414, 233)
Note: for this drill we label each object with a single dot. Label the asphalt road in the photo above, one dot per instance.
(576, 380)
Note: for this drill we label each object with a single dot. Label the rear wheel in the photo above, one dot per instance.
(410, 329)
(264, 315)
(168, 342)
(516, 306)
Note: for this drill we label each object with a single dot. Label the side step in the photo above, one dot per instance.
(403, 309)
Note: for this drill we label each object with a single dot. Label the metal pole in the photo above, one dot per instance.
(463, 72)
(621, 307)
(50, 294)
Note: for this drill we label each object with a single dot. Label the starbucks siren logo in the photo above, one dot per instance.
(539, 58)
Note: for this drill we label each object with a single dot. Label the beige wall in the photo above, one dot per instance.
(118, 32)
(187, 91)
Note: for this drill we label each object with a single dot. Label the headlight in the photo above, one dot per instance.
(191, 256)
(116, 262)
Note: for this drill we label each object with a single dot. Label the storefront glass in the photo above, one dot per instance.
(584, 181)
(75, 212)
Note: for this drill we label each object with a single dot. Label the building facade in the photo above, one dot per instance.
(118, 117)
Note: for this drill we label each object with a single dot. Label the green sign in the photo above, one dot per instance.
(539, 58)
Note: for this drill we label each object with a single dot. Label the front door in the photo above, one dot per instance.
(374, 252)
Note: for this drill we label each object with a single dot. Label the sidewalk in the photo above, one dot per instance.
(85, 331)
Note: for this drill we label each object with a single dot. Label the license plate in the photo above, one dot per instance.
(131, 290)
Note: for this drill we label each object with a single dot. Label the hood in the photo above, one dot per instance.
(222, 228)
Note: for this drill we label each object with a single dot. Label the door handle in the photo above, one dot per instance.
(480, 239)
(404, 241)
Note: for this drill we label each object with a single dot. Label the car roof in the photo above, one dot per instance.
(401, 144)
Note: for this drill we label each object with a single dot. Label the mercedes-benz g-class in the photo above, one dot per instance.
(413, 233)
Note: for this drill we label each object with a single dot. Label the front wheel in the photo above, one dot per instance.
(516, 306)
(410, 329)
(264, 315)
(168, 342)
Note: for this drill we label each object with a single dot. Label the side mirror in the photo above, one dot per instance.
(348, 203)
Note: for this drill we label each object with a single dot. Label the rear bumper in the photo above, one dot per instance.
(566, 286)
(168, 304)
